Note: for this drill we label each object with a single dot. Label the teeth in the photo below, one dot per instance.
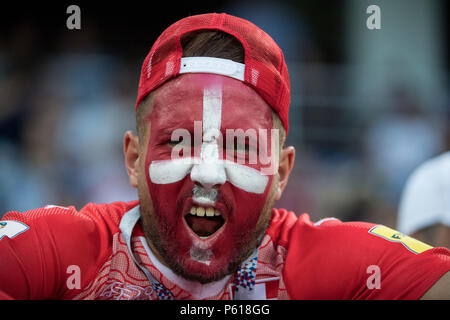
(210, 212)
(201, 212)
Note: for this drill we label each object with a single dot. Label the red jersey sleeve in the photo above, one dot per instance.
(41, 249)
(356, 260)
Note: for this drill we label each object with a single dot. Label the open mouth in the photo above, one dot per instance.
(204, 222)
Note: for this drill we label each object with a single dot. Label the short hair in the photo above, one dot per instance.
(212, 43)
(215, 44)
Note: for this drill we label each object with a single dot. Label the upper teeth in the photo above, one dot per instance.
(201, 211)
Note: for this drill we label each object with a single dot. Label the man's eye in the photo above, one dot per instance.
(242, 148)
(180, 142)
(239, 146)
(238, 150)
(173, 143)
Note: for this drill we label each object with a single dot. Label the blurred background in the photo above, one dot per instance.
(367, 106)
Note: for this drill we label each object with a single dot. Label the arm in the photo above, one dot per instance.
(24, 263)
(407, 268)
(36, 247)
(440, 290)
(4, 296)
(437, 235)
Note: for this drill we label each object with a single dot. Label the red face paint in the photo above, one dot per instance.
(177, 105)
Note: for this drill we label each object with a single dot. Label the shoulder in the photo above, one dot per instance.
(39, 245)
(70, 221)
(65, 229)
(280, 226)
(287, 229)
(346, 244)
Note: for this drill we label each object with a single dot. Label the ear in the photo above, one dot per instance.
(287, 157)
(131, 152)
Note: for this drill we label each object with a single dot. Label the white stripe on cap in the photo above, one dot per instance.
(220, 66)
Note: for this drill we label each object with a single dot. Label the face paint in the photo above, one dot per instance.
(204, 178)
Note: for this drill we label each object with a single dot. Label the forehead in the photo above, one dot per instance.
(181, 101)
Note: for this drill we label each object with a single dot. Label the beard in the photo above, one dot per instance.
(160, 237)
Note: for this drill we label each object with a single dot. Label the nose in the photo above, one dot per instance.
(209, 174)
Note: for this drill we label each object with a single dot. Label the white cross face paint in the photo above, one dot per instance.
(170, 171)
(201, 255)
(209, 174)
(212, 112)
(209, 170)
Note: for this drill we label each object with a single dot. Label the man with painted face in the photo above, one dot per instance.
(209, 162)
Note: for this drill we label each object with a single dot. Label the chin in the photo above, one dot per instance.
(201, 272)
(206, 260)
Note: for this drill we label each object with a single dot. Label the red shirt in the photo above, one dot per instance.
(60, 253)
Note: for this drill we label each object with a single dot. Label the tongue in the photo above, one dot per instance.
(204, 227)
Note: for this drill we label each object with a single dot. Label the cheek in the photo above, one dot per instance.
(164, 199)
(163, 196)
(248, 207)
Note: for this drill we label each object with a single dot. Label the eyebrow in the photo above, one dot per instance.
(166, 132)
(170, 128)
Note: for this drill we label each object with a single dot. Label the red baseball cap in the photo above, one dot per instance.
(264, 70)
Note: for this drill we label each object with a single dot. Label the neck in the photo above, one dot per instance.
(156, 253)
(197, 289)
